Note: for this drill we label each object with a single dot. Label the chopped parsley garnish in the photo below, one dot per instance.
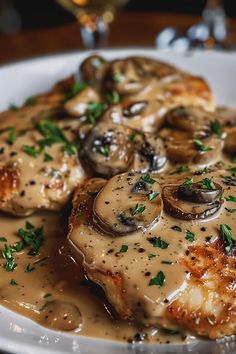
(158, 242)
(158, 280)
(3, 239)
(232, 170)
(207, 183)
(47, 157)
(123, 249)
(148, 179)
(230, 210)
(104, 150)
(180, 169)
(230, 198)
(11, 136)
(32, 237)
(118, 78)
(13, 282)
(30, 101)
(188, 183)
(176, 228)
(132, 138)
(113, 97)
(138, 209)
(31, 150)
(7, 254)
(94, 111)
(198, 144)
(216, 128)
(152, 195)
(28, 225)
(29, 269)
(52, 135)
(151, 255)
(202, 171)
(76, 88)
(13, 107)
(226, 231)
(189, 236)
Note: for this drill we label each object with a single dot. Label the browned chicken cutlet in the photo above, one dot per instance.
(134, 247)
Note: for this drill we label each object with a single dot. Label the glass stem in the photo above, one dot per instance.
(94, 30)
(215, 18)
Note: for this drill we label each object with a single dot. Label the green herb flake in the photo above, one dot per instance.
(11, 136)
(29, 226)
(13, 282)
(158, 242)
(123, 249)
(118, 78)
(188, 182)
(113, 97)
(47, 157)
(176, 228)
(180, 169)
(33, 238)
(158, 280)
(132, 138)
(189, 236)
(198, 144)
(227, 234)
(230, 210)
(151, 256)
(3, 239)
(29, 269)
(31, 150)
(13, 107)
(94, 111)
(152, 195)
(75, 89)
(148, 179)
(207, 183)
(138, 209)
(230, 198)
(31, 101)
(216, 128)
(104, 150)
(47, 295)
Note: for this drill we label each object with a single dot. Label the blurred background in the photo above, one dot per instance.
(29, 28)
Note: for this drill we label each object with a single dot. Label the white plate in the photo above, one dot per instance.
(17, 82)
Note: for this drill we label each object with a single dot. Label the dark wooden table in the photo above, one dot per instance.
(128, 29)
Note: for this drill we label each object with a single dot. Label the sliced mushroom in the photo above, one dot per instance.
(181, 147)
(150, 153)
(93, 69)
(128, 202)
(186, 210)
(226, 116)
(195, 193)
(77, 105)
(191, 119)
(230, 140)
(128, 76)
(109, 149)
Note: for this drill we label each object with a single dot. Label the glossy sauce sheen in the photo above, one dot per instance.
(56, 294)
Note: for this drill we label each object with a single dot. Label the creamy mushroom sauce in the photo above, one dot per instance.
(51, 287)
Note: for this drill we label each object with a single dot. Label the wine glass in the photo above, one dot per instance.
(94, 17)
(210, 33)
